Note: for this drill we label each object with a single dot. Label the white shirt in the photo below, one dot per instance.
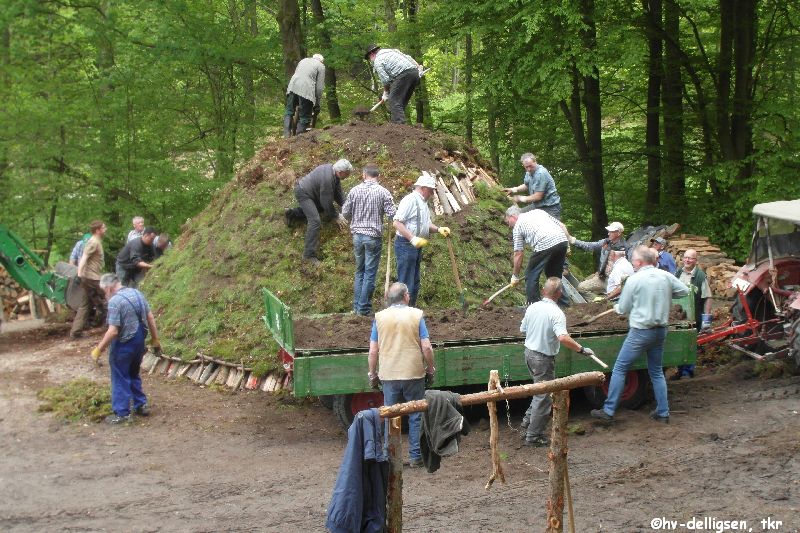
(413, 212)
(538, 230)
(544, 322)
(621, 270)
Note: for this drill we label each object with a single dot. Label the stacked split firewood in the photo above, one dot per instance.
(14, 298)
(455, 187)
(205, 370)
(719, 268)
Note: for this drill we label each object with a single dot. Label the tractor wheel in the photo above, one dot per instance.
(633, 395)
(345, 406)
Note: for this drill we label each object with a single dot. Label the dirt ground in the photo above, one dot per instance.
(352, 331)
(216, 461)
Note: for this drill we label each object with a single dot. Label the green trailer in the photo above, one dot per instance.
(339, 377)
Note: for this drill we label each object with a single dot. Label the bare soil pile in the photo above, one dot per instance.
(207, 291)
(352, 331)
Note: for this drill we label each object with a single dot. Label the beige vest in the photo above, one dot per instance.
(399, 351)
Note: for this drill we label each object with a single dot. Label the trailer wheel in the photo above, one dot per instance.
(326, 401)
(345, 406)
(633, 395)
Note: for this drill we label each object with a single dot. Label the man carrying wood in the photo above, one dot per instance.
(547, 237)
(401, 358)
(316, 193)
(413, 224)
(129, 319)
(399, 74)
(90, 267)
(646, 299)
(365, 207)
(596, 283)
(304, 92)
(542, 192)
(691, 274)
(545, 329)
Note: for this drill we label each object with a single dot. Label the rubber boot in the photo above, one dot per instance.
(287, 126)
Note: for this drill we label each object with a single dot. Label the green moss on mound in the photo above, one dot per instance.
(206, 292)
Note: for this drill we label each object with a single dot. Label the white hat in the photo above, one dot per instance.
(615, 226)
(425, 181)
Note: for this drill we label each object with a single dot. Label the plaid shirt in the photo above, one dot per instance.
(390, 63)
(539, 230)
(365, 206)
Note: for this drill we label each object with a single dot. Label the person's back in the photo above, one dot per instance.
(308, 80)
(399, 342)
(541, 321)
(647, 297)
(134, 252)
(539, 230)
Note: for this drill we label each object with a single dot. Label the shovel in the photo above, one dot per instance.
(495, 295)
(455, 273)
(388, 267)
(601, 315)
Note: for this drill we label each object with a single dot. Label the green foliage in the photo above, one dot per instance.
(79, 399)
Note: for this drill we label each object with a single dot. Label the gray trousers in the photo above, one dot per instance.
(541, 368)
(400, 93)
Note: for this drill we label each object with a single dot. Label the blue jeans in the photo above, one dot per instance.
(124, 359)
(405, 390)
(639, 341)
(368, 254)
(408, 262)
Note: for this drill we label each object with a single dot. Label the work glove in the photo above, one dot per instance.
(572, 239)
(514, 281)
(516, 198)
(342, 222)
(418, 242)
(444, 231)
(156, 350)
(385, 96)
(96, 355)
(430, 376)
(587, 351)
(374, 380)
(598, 298)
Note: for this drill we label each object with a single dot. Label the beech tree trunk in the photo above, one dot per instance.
(672, 97)
(468, 110)
(330, 72)
(652, 10)
(288, 18)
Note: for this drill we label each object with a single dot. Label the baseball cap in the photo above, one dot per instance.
(425, 181)
(659, 240)
(615, 226)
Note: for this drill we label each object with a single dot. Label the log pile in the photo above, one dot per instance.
(455, 188)
(13, 297)
(206, 371)
(719, 268)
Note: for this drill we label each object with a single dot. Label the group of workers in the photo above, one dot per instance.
(399, 74)
(642, 282)
(128, 314)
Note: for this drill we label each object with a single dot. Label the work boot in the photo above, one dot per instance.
(661, 419)
(142, 410)
(600, 414)
(312, 262)
(537, 442)
(287, 126)
(416, 463)
(116, 420)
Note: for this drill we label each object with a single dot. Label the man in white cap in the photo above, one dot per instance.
(615, 241)
(305, 92)
(413, 225)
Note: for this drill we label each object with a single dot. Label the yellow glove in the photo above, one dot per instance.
(444, 231)
(598, 299)
(418, 242)
(514, 281)
(96, 355)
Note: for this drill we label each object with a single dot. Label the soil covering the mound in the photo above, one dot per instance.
(353, 331)
(207, 291)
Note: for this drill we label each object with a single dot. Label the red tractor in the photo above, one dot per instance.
(765, 317)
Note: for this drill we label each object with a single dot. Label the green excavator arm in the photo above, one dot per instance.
(28, 269)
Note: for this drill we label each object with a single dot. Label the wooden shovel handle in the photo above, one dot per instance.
(453, 262)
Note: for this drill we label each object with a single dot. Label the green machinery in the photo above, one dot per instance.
(339, 377)
(29, 270)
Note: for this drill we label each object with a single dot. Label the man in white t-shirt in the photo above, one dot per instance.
(621, 268)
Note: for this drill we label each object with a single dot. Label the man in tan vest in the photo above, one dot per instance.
(401, 344)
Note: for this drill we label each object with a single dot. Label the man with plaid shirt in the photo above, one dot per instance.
(365, 207)
(399, 74)
(547, 237)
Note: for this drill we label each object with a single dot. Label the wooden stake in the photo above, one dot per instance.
(558, 462)
(568, 492)
(510, 393)
(394, 496)
(497, 467)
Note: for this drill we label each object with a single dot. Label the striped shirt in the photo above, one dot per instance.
(413, 212)
(125, 309)
(538, 230)
(365, 206)
(390, 63)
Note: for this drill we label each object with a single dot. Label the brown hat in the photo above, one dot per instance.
(371, 48)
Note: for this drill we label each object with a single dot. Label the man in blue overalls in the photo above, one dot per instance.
(129, 319)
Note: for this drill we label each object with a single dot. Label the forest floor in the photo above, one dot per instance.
(210, 460)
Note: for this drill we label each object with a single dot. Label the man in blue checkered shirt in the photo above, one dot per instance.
(365, 207)
(399, 74)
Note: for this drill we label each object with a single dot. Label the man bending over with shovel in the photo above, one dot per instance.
(399, 74)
